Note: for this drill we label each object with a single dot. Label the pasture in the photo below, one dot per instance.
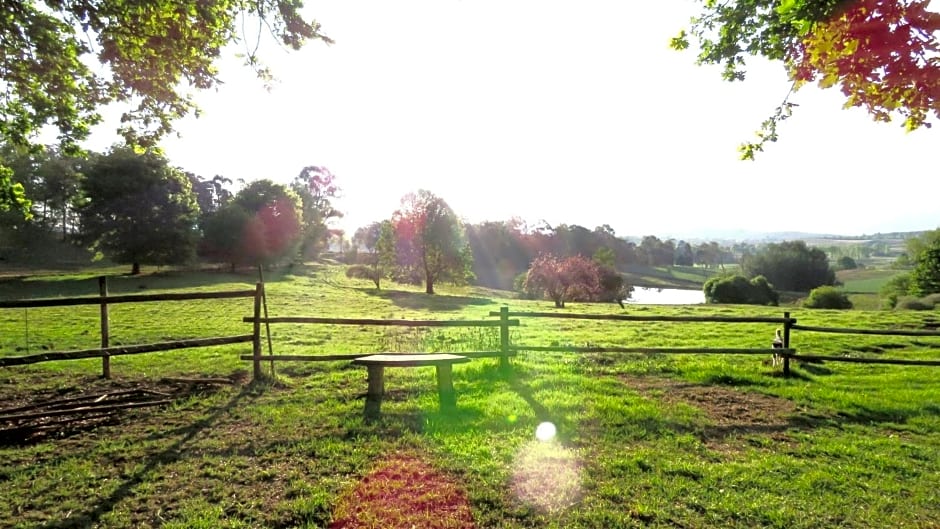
(641, 440)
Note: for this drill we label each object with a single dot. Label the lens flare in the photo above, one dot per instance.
(545, 431)
(547, 476)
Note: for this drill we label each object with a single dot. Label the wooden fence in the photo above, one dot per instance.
(506, 349)
(789, 325)
(857, 360)
(105, 352)
(504, 323)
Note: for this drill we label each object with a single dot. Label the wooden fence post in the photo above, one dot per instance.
(256, 332)
(504, 337)
(786, 343)
(105, 326)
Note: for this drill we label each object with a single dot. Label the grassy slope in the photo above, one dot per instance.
(838, 445)
(865, 280)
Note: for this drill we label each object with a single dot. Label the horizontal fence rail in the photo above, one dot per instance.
(122, 350)
(129, 298)
(620, 317)
(658, 350)
(104, 300)
(353, 356)
(504, 323)
(880, 332)
(401, 323)
(858, 360)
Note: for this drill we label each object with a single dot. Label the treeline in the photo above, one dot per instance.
(131, 207)
(504, 250)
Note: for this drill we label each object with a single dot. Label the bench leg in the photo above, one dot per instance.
(376, 391)
(445, 387)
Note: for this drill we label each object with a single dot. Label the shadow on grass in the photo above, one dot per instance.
(422, 301)
(169, 455)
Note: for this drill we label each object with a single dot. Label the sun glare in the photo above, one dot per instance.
(545, 431)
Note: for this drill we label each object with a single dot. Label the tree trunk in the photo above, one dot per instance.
(429, 288)
(135, 269)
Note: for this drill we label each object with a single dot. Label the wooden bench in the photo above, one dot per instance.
(377, 363)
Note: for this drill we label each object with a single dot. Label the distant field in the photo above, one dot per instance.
(865, 280)
(685, 277)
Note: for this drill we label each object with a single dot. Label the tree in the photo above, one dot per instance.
(378, 239)
(925, 278)
(738, 289)
(148, 53)
(827, 297)
(790, 265)
(138, 210)
(260, 226)
(846, 263)
(431, 244)
(500, 252)
(881, 53)
(273, 229)
(223, 235)
(684, 254)
(317, 188)
(656, 251)
(563, 279)
(52, 180)
(211, 195)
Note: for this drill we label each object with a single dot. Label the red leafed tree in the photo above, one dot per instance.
(882, 54)
(430, 241)
(565, 279)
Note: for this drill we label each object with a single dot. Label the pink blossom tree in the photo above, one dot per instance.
(562, 280)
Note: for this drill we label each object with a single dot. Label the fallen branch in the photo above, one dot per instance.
(83, 409)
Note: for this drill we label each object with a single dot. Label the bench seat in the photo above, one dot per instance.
(377, 363)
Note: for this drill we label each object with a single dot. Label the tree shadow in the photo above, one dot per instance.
(422, 301)
(171, 454)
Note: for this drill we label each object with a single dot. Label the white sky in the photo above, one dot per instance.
(568, 112)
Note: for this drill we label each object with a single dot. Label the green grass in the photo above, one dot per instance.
(687, 277)
(643, 440)
(865, 280)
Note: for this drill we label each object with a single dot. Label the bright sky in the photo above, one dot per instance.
(568, 112)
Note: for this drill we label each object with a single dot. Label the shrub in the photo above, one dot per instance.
(846, 263)
(827, 298)
(933, 299)
(913, 304)
(737, 289)
(365, 272)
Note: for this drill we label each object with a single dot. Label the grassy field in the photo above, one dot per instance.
(865, 280)
(642, 440)
(687, 277)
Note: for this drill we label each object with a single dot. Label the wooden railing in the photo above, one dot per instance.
(857, 360)
(504, 323)
(787, 352)
(105, 352)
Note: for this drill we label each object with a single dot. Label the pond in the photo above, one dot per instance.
(665, 296)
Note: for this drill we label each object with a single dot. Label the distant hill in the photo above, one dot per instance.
(733, 236)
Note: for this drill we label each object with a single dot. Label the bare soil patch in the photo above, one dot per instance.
(402, 493)
(732, 413)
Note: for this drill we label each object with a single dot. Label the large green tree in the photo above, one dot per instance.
(138, 209)
(260, 226)
(317, 189)
(378, 262)
(431, 243)
(882, 54)
(790, 265)
(61, 61)
(925, 278)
